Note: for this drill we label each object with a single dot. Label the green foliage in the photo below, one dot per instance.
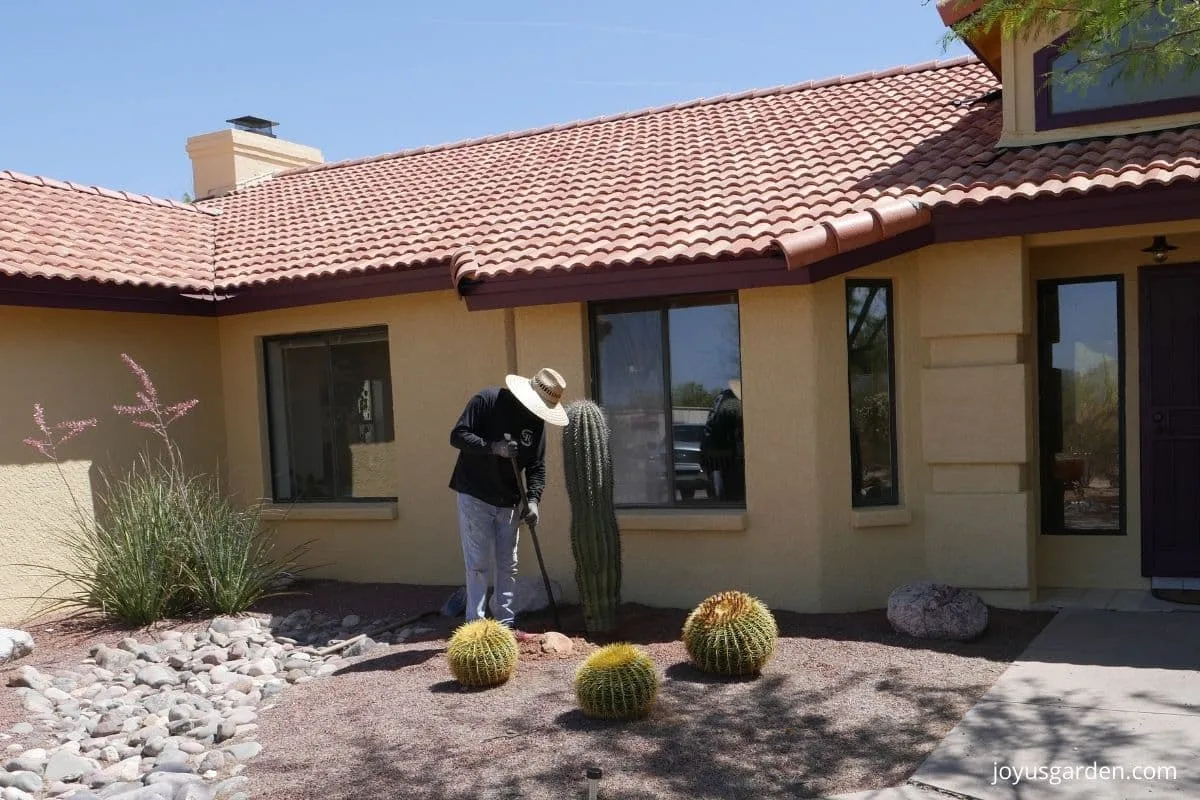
(482, 653)
(162, 544)
(231, 563)
(1091, 419)
(692, 395)
(128, 563)
(617, 682)
(1111, 38)
(595, 538)
(164, 541)
(730, 633)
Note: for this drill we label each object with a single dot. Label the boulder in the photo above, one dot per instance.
(14, 644)
(937, 611)
(557, 643)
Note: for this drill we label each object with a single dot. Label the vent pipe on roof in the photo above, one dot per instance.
(249, 151)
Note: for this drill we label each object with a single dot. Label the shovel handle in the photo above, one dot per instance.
(537, 548)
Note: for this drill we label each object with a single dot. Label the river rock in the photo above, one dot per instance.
(157, 676)
(25, 781)
(937, 611)
(66, 766)
(557, 643)
(14, 644)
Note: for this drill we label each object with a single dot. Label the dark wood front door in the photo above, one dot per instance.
(1170, 420)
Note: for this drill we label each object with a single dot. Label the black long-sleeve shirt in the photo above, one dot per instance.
(488, 416)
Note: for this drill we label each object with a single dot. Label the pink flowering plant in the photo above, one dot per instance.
(164, 540)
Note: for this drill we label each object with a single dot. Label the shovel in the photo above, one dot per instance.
(537, 548)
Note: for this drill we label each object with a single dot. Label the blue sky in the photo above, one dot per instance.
(107, 93)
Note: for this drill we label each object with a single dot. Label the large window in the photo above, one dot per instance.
(669, 375)
(1112, 96)
(1081, 406)
(329, 405)
(873, 464)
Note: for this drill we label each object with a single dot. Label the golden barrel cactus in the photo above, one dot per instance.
(482, 653)
(730, 633)
(617, 682)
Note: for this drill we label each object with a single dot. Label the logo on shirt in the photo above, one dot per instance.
(527, 438)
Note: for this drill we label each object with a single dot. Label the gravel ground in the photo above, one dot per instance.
(846, 704)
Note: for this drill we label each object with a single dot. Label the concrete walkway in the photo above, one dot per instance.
(1105, 688)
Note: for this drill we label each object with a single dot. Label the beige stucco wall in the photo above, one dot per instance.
(1107, 561)
(964, 515)
(69, 361)
(1020, 90)
(440, 354)
(977, 416)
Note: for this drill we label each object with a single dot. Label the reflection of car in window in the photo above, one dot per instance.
(689, 476)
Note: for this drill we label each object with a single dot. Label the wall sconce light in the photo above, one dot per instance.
(1160, 249)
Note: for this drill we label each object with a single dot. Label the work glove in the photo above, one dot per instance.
(531, 512)
(506, 449)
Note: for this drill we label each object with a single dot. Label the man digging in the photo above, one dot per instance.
(498, 425)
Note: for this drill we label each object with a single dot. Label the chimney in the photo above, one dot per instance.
(224, 160)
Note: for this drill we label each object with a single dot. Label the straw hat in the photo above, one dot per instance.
(541, 394)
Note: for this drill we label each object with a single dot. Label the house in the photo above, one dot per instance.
(951, 309)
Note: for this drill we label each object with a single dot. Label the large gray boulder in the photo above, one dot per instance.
(14, 644)
(937, 611)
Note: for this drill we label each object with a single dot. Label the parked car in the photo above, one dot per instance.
(689, 475)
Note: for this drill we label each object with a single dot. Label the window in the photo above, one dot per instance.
(329, 408)
(1081, 414)
(668, 373)
(1112, 97)
(871, 366)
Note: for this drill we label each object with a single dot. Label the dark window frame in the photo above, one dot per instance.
(894, 499)
(663, 305)
(1045, 119)
(327, 337)
(1044, 365)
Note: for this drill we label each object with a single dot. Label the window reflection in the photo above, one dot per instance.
(873, 478)
(330, 414)
(690, 345)
(1081, 405)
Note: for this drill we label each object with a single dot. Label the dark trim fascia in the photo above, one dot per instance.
(630, 282)
(334, 288)
(20, 290)
(1022, 216)
(1045, 119)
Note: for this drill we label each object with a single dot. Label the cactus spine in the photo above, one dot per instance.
(595, 540)
(730, 633)
(616, 682)
(482, 653)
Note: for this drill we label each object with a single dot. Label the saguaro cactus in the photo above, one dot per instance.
(595, 540)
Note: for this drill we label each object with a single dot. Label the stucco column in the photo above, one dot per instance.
(976, 419)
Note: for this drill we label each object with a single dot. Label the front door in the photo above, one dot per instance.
(1170, 420)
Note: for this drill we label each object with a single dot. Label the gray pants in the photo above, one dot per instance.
(489, 543)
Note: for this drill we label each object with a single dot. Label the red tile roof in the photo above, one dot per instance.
(55, 229)
(809, 170)
(736, 176)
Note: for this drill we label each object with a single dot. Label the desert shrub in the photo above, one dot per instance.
(618, 681)
(730, 633)
(164, 540)
(230, 563)
(482, 653)
(128, 562)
